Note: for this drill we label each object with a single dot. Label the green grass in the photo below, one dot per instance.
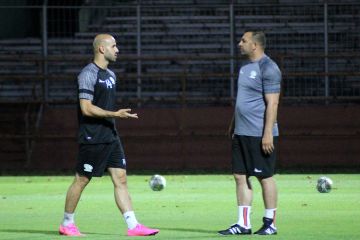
(191, 207)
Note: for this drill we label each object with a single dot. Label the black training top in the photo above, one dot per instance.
(99, 86)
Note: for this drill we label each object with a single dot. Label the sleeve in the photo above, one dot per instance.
(271, 77)
(86, 83)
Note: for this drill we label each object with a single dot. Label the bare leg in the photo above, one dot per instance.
(74, 192)
(122, 196)
(244, 193)
(244, 196)
(269, 192)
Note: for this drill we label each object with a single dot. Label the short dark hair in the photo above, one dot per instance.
(258, 36)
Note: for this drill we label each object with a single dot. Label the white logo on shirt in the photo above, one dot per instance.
(109, 82)
(257, 170)
(252, 75)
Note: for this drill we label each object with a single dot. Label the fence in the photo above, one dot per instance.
(184, 52)
(178, 55)
(181, 87)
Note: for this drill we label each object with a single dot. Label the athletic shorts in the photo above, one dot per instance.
(248, 157)
(94, 159)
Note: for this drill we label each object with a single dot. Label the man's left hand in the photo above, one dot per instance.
(268, 144)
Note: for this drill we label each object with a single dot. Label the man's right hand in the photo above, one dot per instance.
(230, 131)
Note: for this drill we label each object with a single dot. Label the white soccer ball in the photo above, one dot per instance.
(157, 182)
(324, 185)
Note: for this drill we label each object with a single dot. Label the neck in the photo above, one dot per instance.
(256, 56)
(102, 63)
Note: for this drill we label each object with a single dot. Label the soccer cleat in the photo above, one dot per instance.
(235, 229)
(141, 230)
(267, 229)
(70, 230)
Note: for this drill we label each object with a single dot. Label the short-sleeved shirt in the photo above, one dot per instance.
(256, 79)
(99, 86)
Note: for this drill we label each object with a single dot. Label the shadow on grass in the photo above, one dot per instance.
(31, 231)
(208, 234)
(213, 234)
(189, 230)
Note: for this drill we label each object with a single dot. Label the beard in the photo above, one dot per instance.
(110, 58)
(243, 52)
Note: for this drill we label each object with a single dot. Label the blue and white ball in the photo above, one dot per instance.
(157, 182)
(324, 185)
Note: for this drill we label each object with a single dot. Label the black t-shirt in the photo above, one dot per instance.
(99, 86)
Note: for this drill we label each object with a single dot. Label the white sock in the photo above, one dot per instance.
(244, 216)
(68, 218)
(130, 219)
(271, 213)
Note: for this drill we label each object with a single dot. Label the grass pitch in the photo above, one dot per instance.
(191, 207)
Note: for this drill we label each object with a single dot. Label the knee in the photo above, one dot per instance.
(82, 181)
(240, 179)
(264, 181)
(120, 181)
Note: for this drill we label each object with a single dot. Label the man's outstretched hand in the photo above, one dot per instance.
(125, 113)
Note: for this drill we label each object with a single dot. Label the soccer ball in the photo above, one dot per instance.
(157, 182)
(324, 184)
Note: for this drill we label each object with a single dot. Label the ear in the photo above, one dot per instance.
(255, 46)
(102, 49)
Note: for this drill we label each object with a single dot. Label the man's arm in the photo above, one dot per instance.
(272, 102)
(90, 110)
(231, 126)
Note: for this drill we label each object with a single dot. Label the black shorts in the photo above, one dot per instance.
(94, 159)
(248, 157)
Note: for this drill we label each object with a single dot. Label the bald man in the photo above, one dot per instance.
(100, 147)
